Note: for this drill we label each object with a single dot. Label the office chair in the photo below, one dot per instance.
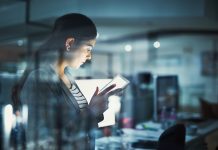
(173, 138)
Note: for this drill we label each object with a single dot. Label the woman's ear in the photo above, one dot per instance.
(69, 42)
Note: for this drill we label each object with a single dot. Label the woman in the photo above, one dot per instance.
(58, 112)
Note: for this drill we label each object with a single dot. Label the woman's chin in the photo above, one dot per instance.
(78, 66)
(75, 66)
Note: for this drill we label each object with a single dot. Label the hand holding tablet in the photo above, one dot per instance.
(119, 81)
(88, 87)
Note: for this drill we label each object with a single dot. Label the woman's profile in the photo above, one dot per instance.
(59, 116)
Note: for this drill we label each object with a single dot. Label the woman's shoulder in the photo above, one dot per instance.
(40, 79)
(43, 74)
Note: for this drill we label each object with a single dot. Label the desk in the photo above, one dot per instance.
(204, 129)
(132, 135)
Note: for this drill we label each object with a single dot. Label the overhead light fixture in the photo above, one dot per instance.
(128, 48)
(156, 44)
(20, 42)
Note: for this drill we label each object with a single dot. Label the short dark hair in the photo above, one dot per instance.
(75, 25)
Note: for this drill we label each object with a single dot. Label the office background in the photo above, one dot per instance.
(151, 38)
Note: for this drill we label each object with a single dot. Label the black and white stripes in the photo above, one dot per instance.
(81, 100)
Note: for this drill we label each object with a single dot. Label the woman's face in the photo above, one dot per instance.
(78, 56)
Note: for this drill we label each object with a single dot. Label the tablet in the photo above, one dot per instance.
(120, 81)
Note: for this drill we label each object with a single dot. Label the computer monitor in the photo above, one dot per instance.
(166, 94)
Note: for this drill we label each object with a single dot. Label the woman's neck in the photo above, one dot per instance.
(59, 69)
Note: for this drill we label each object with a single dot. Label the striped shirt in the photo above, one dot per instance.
(81, 100)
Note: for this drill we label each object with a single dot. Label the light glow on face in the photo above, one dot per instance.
(82, 54)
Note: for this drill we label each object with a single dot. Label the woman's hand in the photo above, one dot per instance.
(99, 101)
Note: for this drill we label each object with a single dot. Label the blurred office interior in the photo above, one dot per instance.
(168, 50)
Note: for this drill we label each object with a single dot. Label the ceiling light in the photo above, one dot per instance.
(156, 44)
(20, 42)
(128, 48)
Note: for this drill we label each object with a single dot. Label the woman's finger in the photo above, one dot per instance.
(115, 92)
(120, 93)
(96, 93)
(107, 89)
